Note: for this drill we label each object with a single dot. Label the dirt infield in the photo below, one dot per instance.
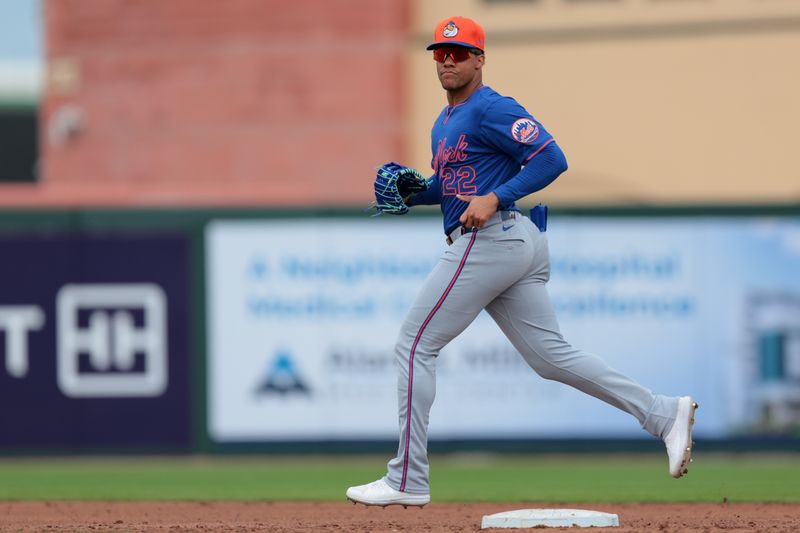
(303, 516)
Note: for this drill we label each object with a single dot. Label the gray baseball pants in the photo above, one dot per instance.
(503, 268)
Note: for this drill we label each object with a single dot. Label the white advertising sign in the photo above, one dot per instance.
(303, 315)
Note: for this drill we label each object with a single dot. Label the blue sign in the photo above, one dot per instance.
(94, 348)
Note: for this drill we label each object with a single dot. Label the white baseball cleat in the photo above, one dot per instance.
(379, 493)
(679, 439)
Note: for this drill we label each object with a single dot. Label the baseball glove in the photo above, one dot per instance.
(393, 184)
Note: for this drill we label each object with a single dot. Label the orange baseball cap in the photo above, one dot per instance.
(458, 31)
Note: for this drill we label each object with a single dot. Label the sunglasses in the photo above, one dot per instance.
(458, 53)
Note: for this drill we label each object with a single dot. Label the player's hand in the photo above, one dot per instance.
(479, 210)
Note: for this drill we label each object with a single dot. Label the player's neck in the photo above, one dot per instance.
(461, 94)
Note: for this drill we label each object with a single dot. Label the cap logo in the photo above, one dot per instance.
(524, 130)
(451, 30)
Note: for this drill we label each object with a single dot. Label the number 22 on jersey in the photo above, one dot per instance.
(458, 181)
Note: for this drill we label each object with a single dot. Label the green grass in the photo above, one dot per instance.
(613, 478)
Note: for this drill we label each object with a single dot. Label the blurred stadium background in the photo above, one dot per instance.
(187, 265)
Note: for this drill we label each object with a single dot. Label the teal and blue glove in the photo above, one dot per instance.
(394, 183)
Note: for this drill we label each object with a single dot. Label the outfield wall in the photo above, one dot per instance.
(228, 330)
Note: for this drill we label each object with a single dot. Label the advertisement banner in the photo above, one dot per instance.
(94, 342)
(303, 315)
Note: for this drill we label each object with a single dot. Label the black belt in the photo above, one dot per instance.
(458, 232)
(462, 230)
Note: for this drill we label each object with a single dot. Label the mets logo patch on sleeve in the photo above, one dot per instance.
(524, 130)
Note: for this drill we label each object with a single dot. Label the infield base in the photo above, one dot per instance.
(550, 518)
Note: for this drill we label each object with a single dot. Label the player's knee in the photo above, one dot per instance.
(550, 372)
(542, 367)
(548, 360)
(405, 340)
(407, 347)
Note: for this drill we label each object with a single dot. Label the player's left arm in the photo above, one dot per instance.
(540, 172)
(511, 129)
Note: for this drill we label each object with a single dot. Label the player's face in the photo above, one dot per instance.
(457, 67)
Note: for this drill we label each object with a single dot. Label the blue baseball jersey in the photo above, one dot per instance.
(478, 146)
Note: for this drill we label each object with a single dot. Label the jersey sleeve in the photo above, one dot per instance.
(508, 127)
(540, 172)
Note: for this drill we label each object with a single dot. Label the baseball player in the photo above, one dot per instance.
(488, 152)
